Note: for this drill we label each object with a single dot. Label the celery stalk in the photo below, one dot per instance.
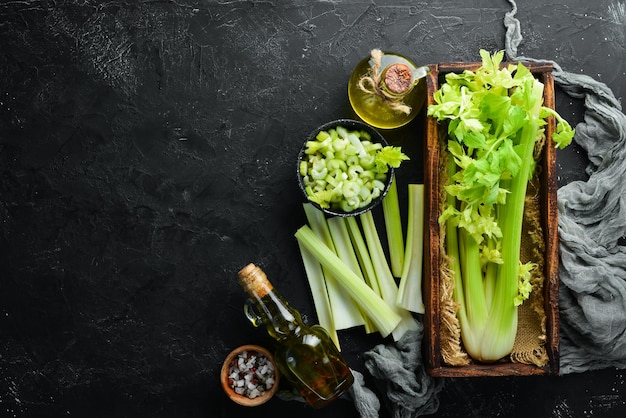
(346, 252)
(383, 316)
(476, 310)
(491, 275)
(393, 225)
(362, 253)
(454, 256)
(342, 307)
(410, 287)
(388, 286)
(317, 284)
(503, 313)
(341, 239)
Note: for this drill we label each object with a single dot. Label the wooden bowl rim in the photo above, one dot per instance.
(242, 399)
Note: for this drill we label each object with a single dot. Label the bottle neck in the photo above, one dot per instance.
(280, 319)
(397, 80)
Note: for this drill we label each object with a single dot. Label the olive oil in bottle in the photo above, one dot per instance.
(305, 355)
(387, 90)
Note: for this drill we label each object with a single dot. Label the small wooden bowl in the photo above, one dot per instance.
(243, 399)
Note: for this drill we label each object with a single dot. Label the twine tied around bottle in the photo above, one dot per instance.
(397, 83)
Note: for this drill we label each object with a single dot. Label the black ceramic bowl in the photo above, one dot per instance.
(350, 125)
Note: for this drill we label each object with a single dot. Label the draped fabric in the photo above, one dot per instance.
(592, 226)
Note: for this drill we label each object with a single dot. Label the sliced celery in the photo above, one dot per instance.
(344, 170)
(384, 317)
(410, 287)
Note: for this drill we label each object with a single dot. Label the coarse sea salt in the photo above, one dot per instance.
(251, 374)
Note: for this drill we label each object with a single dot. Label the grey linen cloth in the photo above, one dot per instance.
(365, 401)
(592, 221)
(400, 375)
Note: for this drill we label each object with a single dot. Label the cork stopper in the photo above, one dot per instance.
(398, 78)
(254, 281)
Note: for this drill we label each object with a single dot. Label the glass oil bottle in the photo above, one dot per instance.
(387, 90)
(305, 355)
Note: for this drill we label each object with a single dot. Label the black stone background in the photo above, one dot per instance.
(147, 153)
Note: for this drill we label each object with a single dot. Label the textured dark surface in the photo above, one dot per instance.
(147, 153)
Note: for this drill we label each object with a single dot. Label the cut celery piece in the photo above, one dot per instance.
(342, 307)
(393, 226)
(360, 247)
(388, 286)
(317, 284)
(410, 287)
(346, 252)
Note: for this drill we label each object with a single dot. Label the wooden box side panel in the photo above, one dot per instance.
(550, 224)
(431, 230)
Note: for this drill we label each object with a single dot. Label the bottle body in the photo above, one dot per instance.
(305, 355)
(312, 363)
(387, 90)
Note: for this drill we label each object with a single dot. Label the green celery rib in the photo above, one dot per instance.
(317, 284)
(393, 225)
(473, 290)
(385, 318)
(345, 251)
(410, 287)
(388, 286)
(342, 308)
(491, 272)
(362, 253)
(364, 262)
(502, 328)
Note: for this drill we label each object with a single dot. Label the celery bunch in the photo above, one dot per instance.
(494, 117)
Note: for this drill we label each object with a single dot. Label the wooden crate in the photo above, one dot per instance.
(549, 222)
